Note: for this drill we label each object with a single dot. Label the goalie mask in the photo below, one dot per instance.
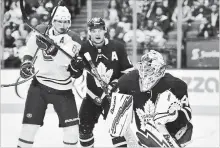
(62, 19)
(151, 68)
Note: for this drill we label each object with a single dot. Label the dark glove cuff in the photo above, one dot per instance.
(27, 58)
(75, 73)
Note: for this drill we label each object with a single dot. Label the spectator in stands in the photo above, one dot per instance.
(112, 35)
(128, 37)
(143, 13)
(41, 10)
(8, 39)
(125, 24)
(10, 60)
(186, 15)
(213, 18)
(161, 20)
(20, 33)
(194, 6)
(205, 29)
(113, 11)
(20, 48)
(119, 28)
(6, 19)
(83, 35)
(153, 35)
(167, 10)
(202, 12)
(34, 20)
(49, 6)
(7, 4)
(126, 11)
(209, 27)
(14, 13)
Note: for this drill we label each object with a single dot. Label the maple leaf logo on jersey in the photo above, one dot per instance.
(104, 73)
(147, 114)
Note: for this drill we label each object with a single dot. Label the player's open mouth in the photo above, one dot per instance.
(98, 38)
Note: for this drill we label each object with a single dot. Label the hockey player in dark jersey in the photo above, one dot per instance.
(160, 104)
(111, 62)
(53, 83)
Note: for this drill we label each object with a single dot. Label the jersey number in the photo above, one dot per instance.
(46, 57)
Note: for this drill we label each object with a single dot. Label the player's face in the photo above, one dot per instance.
(61, 25)
(97, 35)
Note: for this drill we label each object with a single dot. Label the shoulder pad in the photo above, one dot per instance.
(128, 82)
(75, 37)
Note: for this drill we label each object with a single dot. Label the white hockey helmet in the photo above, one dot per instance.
(151, 69)
(62, 14)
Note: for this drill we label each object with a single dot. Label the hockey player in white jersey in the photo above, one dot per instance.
(53, 82)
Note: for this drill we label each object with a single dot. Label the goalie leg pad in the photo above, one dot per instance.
(152, 138)
(70, 136)
(27, 135)
(120, 114)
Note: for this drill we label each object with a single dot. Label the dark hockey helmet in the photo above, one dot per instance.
(96, 22)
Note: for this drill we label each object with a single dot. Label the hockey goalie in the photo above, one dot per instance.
(159, 102)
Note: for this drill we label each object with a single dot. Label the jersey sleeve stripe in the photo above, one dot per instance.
(53, 79)
(189, 109)
(188, 116)
(59, 83)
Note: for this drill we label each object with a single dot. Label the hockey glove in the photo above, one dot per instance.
(76, 67)
(46, 46)
(113, 86)
(27, 69)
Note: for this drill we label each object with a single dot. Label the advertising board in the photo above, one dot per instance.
(202, 53)
(203, 87)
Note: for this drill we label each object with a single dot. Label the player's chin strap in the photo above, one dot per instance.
(26, 21)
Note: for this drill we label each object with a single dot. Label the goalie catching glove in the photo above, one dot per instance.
(27, 69)
(167, 107)
(76, 67)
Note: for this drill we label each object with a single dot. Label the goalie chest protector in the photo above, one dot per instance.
(129, 84)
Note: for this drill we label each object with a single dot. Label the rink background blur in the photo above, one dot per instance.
(203, 96)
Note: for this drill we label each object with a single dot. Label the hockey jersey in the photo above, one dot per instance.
(129, 84)
(111, 61)
(53, 69)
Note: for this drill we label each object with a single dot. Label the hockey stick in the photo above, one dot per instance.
(103, 84)
(20, 82)
(25, 19)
